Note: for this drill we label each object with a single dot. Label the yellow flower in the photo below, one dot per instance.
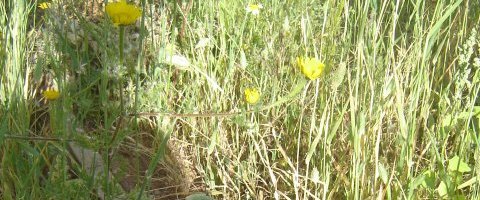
(254, 8)
(252, 95)
(51, 94)
(311, 67)
(44, 5)
(122, 13)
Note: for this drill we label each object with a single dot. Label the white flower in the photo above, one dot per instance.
(254, 8)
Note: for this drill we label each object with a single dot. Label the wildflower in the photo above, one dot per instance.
(51, 94)
(44, 5)
(311, 67)
(254, 8)
(122, 13)
(252, 95)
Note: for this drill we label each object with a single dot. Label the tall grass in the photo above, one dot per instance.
(394, 116)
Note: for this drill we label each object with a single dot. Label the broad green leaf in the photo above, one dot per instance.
(442, 190)
(414, 184)
(455, 164)
(429, 179)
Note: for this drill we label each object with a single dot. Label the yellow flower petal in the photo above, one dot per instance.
(252, 95)
(311, 67)
(51, 94)
(122, 13)
(44, 5)
(254, 8)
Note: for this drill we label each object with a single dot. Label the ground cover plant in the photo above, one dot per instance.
(218, 99)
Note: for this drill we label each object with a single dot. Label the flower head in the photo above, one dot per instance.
(311, 67)
(44, 5)
(254, 8)
(122, 13)
(252, 95)
(51, 94)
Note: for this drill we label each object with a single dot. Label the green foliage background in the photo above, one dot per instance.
(395, 111)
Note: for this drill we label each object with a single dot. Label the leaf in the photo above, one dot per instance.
(417, 181)
(448, 121)
(211, 80)
(313, 146)
(290, 96)
(213, 142)
(476, 111)
(433, 33)
(455, 164)
(338, 76)
(336, 124)
(243, 60)
(442, 190)
(468, 183)
(429, 179)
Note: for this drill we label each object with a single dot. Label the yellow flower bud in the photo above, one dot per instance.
(51, 94)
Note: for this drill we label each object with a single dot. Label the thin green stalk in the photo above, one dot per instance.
(121, 45)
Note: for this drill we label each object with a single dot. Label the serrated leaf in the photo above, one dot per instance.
(455, 164)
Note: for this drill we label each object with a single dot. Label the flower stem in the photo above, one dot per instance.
(122, 34)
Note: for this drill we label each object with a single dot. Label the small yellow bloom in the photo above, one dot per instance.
(44, 5)
(51, 94)
(252, 95)
(311, 67)
(254, 8)
(122, 13)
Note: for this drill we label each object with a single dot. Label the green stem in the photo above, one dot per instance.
(122, 34)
